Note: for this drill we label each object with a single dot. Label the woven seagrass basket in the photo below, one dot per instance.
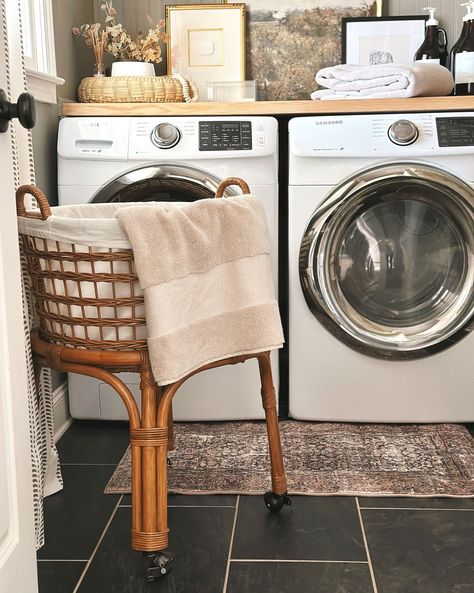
(175, 88)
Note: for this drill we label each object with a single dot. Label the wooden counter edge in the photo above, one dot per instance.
(428, 104)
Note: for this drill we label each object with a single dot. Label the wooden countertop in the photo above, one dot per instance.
(272, 107)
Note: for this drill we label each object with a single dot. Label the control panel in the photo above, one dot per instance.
(413, 135)
(225, 135)
(455, 131)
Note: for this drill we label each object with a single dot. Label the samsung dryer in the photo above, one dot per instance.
(381, 262)
(105, 159)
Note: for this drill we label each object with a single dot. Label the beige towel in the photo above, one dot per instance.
(382, 81)
(205, 269)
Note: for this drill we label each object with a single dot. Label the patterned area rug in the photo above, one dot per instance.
(320, 458)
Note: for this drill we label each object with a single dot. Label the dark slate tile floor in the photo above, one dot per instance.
(231, 544)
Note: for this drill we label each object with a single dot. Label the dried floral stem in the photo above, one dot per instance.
(98, 43)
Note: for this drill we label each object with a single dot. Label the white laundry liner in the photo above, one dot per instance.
(92, 225)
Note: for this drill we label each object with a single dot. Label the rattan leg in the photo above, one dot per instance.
(170, 422)
(279, 484)
(150, 530)
(148, 441)
(170, 429)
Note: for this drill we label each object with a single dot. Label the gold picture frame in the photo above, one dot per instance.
(203, 42)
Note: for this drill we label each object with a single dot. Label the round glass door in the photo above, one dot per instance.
(161, 183)
(387, 262)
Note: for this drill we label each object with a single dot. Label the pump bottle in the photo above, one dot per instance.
(434, 47)
(463, 57)
(465, 28)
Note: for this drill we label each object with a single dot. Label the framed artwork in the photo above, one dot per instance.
(290, 40)
(207, 42)
(381, 40)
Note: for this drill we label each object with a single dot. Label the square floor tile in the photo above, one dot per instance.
(296, 577)
(58, 576)
(94, 442)
(384, 502)
(313, 528)
(76, 516)
(421, 551)
(199, 541)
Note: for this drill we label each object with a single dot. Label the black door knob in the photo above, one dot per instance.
(24, 110)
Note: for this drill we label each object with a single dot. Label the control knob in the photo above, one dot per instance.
(165, 135)
(403, 132)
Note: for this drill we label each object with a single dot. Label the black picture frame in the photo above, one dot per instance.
(381, 24)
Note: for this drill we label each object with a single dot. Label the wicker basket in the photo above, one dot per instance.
(87, 294)
(138, 89)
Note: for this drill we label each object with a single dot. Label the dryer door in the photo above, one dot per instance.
(387, 261)
(161, 183)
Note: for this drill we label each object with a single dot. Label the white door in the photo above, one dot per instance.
(17, 533)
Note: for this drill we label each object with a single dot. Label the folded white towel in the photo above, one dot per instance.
(205, 270)
(348, 81)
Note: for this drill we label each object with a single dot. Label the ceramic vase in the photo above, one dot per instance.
(131, 68)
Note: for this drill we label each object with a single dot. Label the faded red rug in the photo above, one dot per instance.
(320, 458)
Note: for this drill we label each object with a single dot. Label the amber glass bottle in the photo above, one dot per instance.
(464, 64)
(465, 28)
(434, 47)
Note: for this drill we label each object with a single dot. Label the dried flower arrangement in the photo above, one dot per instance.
(113, 38)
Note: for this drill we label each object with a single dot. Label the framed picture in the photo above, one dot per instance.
(381, 40)
(207, 42)
(290, 40)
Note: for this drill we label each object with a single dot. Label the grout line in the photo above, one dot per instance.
(94, 551)
(414, 509)
(61, 560)
(190, 506)
(227, 570)
(201, 506)
(264, 560)
(366, 545)
(85, 464)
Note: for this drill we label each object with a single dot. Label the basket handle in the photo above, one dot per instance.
(39, 196)
(231, 181)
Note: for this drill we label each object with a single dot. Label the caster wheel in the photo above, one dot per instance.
(160, 565)
(275, 502)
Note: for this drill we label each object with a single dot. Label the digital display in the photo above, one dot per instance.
(455, 131)
(225, 135)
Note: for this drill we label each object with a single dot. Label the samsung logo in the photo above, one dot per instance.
(328, 123)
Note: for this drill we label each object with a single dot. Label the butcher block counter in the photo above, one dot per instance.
(275, 108)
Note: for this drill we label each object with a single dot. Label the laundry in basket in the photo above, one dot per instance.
(205, 268)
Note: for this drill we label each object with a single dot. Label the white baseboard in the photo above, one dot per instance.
(62, 418)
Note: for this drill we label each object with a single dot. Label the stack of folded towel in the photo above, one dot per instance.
(383, 81)
(205, 270)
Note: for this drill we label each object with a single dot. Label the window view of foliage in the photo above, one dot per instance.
(287, 46)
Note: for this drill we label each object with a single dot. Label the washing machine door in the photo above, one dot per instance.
(387, 261)
(173, 182)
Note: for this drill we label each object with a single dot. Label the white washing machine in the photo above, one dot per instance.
(381, 262)
(103, 159)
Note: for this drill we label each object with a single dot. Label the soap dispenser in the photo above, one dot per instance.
(467, 18)
(434, 48)
(463, 57)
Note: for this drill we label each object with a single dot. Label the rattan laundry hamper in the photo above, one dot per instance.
(91, 321)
